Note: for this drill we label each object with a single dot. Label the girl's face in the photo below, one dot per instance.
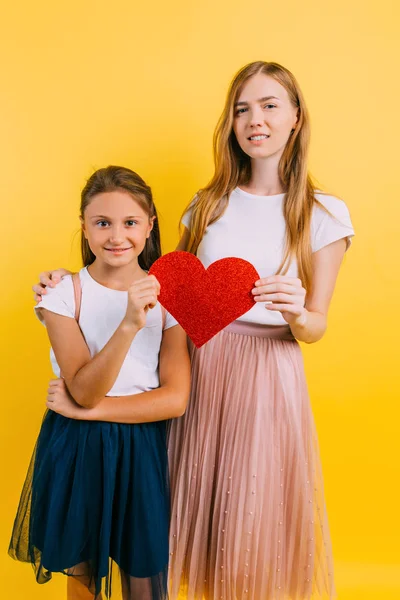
(264, 117)
(116, 228)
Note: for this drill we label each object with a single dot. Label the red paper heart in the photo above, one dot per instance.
(204, 301)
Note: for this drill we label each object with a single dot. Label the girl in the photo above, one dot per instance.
(97, 491)
(248, 511)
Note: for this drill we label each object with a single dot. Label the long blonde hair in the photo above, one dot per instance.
(233, 168)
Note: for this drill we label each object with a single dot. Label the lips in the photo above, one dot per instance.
(117, 250)
(258, 137)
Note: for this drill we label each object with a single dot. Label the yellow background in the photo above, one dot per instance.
(85, 84)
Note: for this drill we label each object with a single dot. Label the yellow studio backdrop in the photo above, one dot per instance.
(85, 84)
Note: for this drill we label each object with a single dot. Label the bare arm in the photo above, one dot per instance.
(89, 379)
(183, 242)
(166, 402)
(307, 316)
(326, 265)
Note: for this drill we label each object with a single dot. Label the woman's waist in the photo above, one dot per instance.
(277, 332)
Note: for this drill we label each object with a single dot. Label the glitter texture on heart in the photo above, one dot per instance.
(204, 301)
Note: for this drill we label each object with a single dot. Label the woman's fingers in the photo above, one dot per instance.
(281, 298)
(283, 290)
(278, 287)
(45, 278)
(51, 278)
(279, 279)
(293, 309)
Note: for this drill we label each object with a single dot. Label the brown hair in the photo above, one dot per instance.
(233, 167)
(114, 178)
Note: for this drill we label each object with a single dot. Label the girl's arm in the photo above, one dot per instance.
(89, 379)
(166, 402)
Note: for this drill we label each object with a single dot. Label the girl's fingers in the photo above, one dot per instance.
(146, 284)
(149, 300)
(56, 382)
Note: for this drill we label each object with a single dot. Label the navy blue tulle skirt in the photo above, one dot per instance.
(96, 496)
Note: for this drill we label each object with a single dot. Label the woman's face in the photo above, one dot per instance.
(264, 117)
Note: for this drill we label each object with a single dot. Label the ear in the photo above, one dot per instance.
(297, 116)
(83, 227)
(151, 225)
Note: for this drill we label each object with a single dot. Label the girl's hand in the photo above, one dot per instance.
(142, 295)
(48, 279)
(60, 400)
(285, 294)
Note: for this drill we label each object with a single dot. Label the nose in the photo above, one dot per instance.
(256, 117)
(116, 234)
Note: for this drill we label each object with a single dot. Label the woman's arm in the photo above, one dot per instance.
(166, 402)
(183, 242)
(326, 265)
(89, 379)
(307, 317)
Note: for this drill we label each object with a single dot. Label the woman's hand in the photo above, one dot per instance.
(60, 400)
(48, 279)
(283, 294)
(142, 295)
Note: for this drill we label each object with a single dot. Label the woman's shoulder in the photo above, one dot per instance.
(331, 220)
(333, 204)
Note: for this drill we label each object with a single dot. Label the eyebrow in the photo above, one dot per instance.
(259, 100)
(109, 218)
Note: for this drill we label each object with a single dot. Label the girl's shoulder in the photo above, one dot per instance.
(59, 300)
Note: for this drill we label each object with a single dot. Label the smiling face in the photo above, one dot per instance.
(116, 227)
(264, 117)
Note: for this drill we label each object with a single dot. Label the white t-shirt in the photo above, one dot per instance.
(102, 310)
(253, 228)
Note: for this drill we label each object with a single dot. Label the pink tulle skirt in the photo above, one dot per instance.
(248, 518)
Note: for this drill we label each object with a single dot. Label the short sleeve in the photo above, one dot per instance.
(169, 321)
(59, 300)
(328, 227)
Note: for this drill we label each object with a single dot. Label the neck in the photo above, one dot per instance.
(264, 180)
(116, 278)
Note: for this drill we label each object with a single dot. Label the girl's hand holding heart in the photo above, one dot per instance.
(142, 295)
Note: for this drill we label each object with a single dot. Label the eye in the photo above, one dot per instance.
(102, 224)
(240, 111)
(130, 223)
(270, 106)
